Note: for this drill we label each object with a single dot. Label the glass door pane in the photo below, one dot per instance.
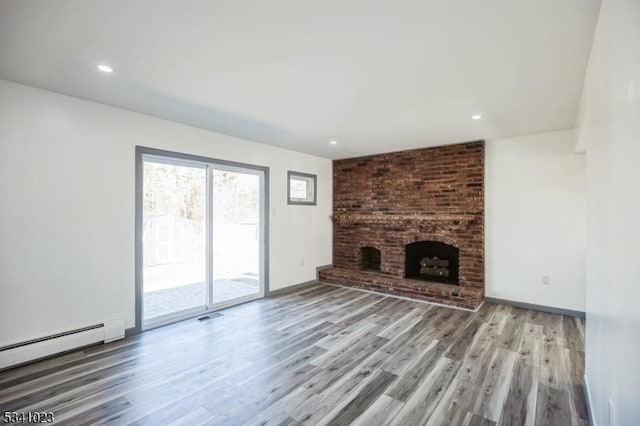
(173, 239)
(236, 204)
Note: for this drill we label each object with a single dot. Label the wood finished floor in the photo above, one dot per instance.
(326, 355)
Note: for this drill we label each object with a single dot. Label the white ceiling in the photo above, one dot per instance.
(375, 75)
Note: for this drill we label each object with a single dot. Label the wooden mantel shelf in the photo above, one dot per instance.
(394, 218)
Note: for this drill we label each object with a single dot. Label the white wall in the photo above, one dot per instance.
(535, 220)
(609, 125)
(67, 209)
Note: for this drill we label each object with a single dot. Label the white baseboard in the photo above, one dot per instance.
(46, 346)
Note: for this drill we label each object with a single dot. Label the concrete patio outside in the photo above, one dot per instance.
(170, 300)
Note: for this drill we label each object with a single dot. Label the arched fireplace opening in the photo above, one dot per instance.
(370, 259)
(432, 261)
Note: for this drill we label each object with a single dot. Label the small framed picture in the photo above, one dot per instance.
(301, 188)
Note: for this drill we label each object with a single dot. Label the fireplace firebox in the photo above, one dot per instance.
(432, 261)
(370, 259)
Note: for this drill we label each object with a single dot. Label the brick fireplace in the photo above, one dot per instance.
(411, 224)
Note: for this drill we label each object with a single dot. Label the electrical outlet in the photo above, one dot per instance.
(611, 416)
(546, 279)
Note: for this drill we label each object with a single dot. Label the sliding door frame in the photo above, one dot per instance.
(209, 164)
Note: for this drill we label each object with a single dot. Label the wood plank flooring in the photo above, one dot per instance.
(327, 355)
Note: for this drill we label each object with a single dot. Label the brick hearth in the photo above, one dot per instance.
(388, 201)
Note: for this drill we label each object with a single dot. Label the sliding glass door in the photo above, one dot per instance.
(201, 232)
(236, 235)
(173, 238)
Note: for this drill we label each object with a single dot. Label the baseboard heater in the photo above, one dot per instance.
(42, 347)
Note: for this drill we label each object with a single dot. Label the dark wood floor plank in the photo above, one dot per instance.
(402, 324)
(476, 362)
(342, 363)
(476, 420)
(318, 405)
(495, 386)
(485, 311)
(381, 412)
(574, 361)
(418, 341)
(511, 335)
(571, 333)
(98, 413)
(418, 372)
(520, 405)
(363, 399)
(462, 343)
(420, 406)
(531, 344)
(551, 407)
(456, 402)
(553, 366)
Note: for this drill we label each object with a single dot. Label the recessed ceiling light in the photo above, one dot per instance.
(104, 68)
(333, 142)
(476, 117)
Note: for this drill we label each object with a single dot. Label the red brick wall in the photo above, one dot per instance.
(386, 201)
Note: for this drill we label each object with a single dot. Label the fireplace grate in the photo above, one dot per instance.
(432, 261)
